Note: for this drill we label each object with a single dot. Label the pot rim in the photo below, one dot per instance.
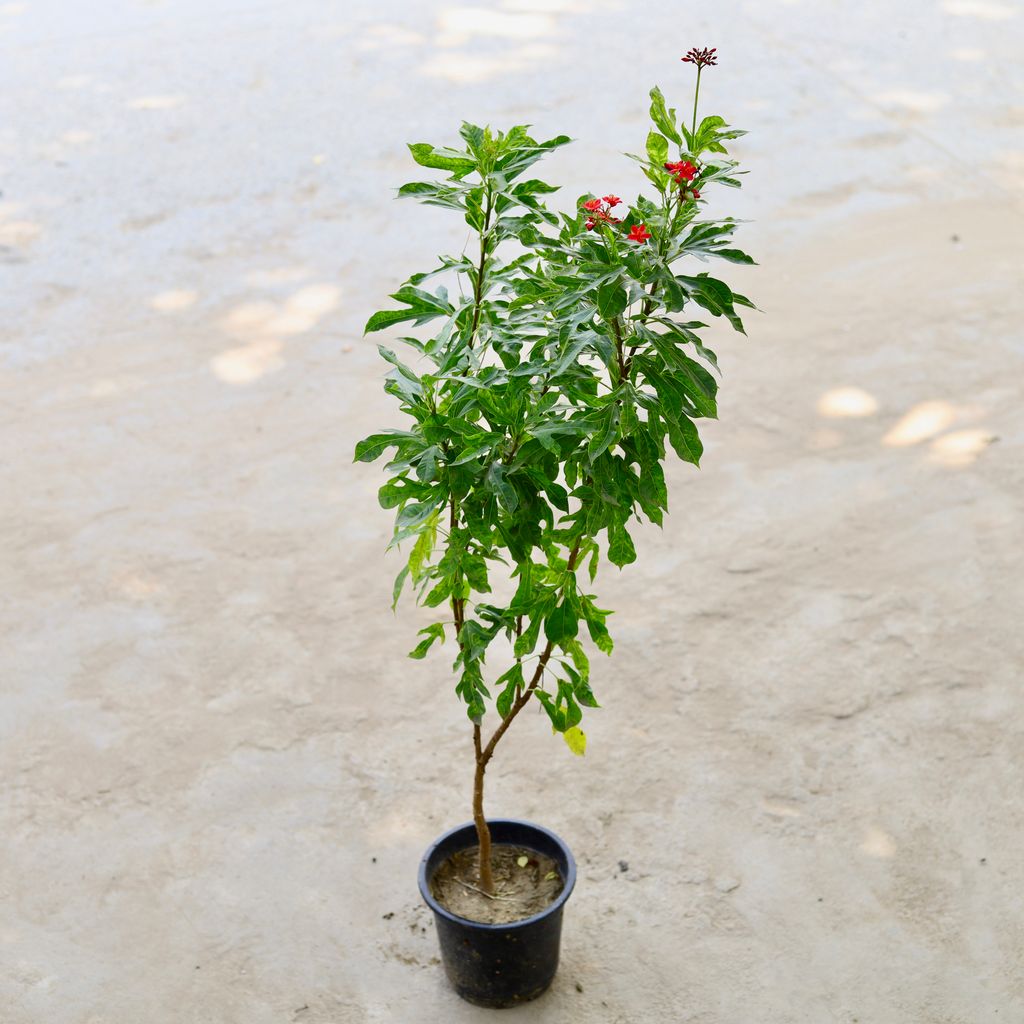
(556, 905)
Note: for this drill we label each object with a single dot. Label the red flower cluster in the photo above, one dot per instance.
(600, 210)
(682, 171)
(702, 58)
(638, 233)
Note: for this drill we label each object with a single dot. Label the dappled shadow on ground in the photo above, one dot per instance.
(261, 325)
(927, 421)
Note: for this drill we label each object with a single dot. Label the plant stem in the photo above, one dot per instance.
(478, 285)
(483, 833)
(483, 754)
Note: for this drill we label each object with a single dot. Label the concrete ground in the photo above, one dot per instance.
(219, 770)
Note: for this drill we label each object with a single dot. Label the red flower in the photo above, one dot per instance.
(638, 233)
(593, 205)
(612, 200)
(702, 58)
(695, 194)
(590, 223)
(682, 170)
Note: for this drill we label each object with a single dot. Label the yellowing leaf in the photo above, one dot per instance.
(576, 740)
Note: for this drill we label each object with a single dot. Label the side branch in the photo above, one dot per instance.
(523, 699)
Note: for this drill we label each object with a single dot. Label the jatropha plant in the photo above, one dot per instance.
(542, 402)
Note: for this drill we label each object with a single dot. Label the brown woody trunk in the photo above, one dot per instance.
(483, 833)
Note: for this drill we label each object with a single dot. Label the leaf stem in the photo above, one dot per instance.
(696, 93)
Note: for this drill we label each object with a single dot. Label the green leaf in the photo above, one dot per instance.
(569, 356)
(472, 453)
(472, 690)
(584, 694)
(387, 317)
(423, 547)
(710, 123)
(423, 307)
(475, 569)
(521, 599)
(662, 117)
(564, 712)
(396, 592)
(714, 295)
(686, 377)
(657, 149)
(576, 740)
(620, 546)
(506, 492)
(372, 447)
(446, 160)
(435, 631)
(573, 712)
(685, 439)
(534, 187)
(556, 714)
(612, 299)
(426, 466)
(473, 135)
(605, 435)
(513, 683)
(525, 644)
(699, 385)
(734, 256)
(400, 490)
(561, 624)
(415, 513)
(524, 155)
(389, 356)
(579, 658)
(421, 188)
(600, 635)
(439, 594)
(432, 194)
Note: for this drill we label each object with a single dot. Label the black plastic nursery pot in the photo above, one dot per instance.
(499, 965)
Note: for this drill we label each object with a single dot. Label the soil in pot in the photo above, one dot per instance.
(525, 883)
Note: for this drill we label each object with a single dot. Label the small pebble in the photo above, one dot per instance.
(579, 987)
(623, 865)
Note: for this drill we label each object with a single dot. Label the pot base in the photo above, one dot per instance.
(500, 965)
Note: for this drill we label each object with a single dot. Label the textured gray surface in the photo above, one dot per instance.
(219, 770)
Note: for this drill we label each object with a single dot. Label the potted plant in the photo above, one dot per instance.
(544, 397)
